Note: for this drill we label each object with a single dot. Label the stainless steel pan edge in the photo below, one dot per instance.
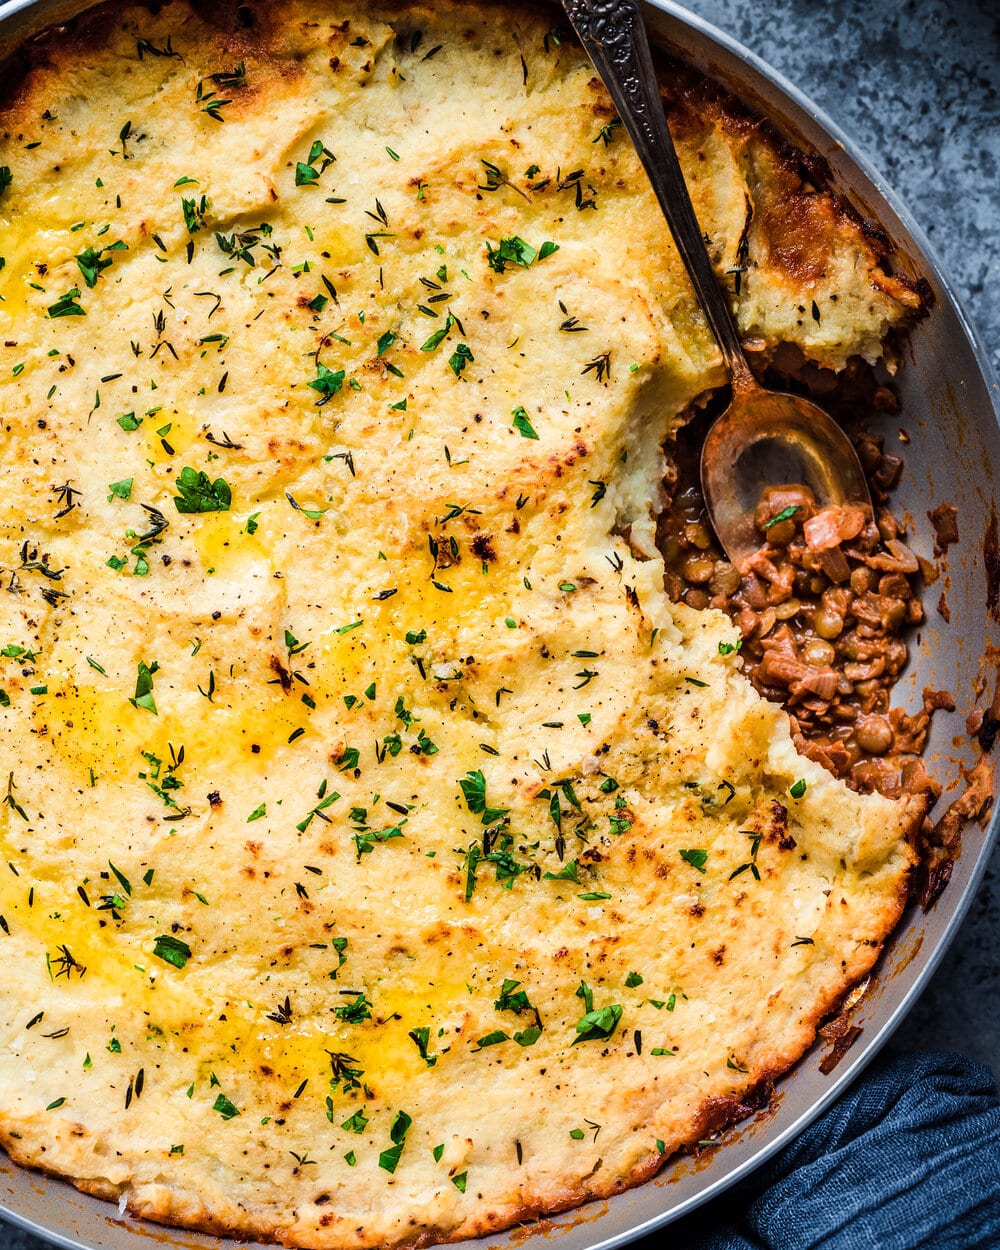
(951, 409)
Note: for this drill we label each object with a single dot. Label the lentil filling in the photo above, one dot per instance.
(825, 608)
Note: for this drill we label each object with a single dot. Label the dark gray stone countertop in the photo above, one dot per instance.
(917, 86)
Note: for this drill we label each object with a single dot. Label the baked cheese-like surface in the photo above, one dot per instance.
(387, 859)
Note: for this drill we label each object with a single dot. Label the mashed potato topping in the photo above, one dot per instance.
(387, 858)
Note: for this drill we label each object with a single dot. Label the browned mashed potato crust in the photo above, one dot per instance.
(390, 860)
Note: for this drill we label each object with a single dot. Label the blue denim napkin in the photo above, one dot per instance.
(907, 1159)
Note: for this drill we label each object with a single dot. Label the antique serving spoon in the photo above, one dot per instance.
(764, 438)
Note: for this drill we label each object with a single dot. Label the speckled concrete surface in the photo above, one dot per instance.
(917, 85)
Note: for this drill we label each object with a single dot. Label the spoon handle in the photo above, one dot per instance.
(613, 34)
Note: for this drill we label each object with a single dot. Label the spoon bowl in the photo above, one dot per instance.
(764, 438)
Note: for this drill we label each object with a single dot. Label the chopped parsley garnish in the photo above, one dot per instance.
(93, 263)
(327, 382)
(12, 651)
(522, 423)
(420, 1038)
(460, 357)
(144, 687)
(696, 858)
(198, 493)
(66, 305)
(515, 251)
(123, 881)
(784, 515)
(356, 1123)
(493, 1038)
(598, 1025)
(225, 1108)
(511, 998)
(798, 789)
(439, 336)
(306, 172)
(172, 950)
(356, 1012)
(388, 1160)
(472, 858)
(325, 800)
(293, 644)
(365, 842)
(120, 490)
(473, 786)
(569, 872)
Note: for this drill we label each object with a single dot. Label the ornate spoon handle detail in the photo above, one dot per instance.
(613, 34)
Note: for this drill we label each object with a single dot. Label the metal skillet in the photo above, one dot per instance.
(952, 414)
